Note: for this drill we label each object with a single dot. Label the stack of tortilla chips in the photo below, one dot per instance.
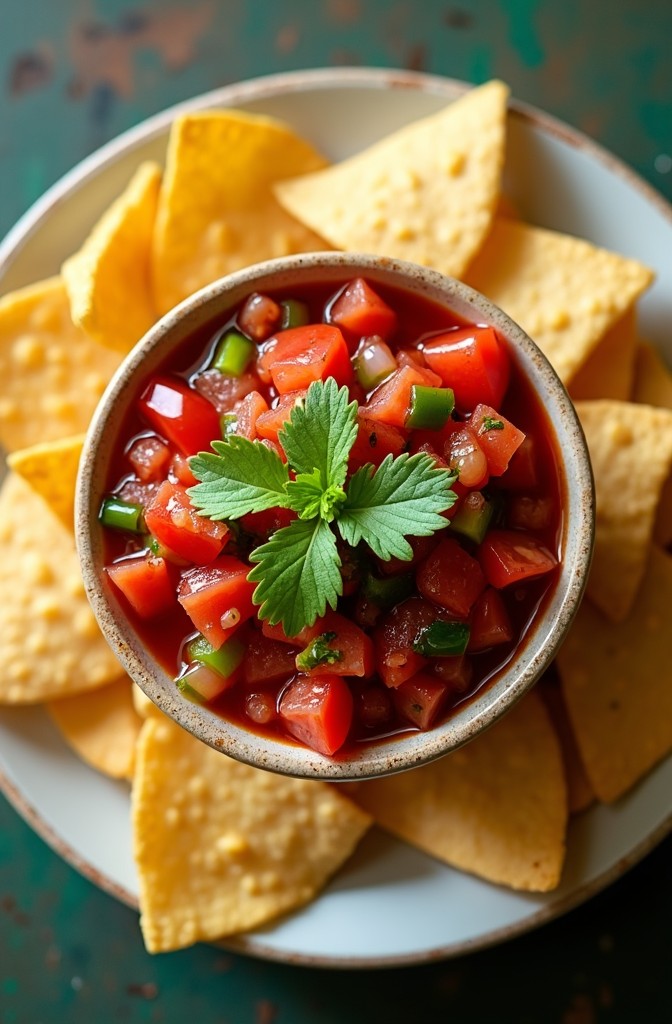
(220, 847)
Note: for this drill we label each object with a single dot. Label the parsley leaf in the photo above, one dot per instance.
(321, 432)
(318, 652)
(403, 497)
(491, 424)
(297, 574)
(243, 476)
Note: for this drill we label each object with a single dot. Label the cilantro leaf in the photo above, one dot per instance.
(243, 476)
(297, 574)
(403, 497)
(320, 433)
(318, 652)
(305, 496)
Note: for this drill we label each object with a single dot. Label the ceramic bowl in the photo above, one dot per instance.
(543, 637)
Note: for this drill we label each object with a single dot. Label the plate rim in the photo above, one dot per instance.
(261, 87)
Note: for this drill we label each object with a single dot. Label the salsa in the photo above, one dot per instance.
(409, 639)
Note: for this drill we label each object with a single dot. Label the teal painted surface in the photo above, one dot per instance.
(72, 75)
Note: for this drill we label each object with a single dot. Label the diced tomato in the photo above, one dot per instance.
(509, 556)
(248, 412)
(472, 362)
(396, 661)
(173, 520)
(259, 317)
(391, 402)
(374, 441)
(318, 711)
(490, 622)
(522, 473)
(269, 423)
(465, 455)
(180, 473)
(420, 699)
(218, 598)
(267, 661)
(499, 442)
(276, 632)
(362, 312)
(525, 512)
(149, 457)
(411, 357)
(224, 390)
(263, 524)
(456, 672)
(373, 706)
(260, 707)
(451, 578)
(180, 414)
(203, 683)
(421, 547)
(297, 357)
(355, 646)
(145, 583)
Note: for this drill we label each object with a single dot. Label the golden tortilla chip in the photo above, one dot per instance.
(496, 807)
(222, 847)
(144, 706)
(580, 793)
(564, 292)
(217, 211)
(608, 372)
(426, 193)
(108, 280)
(616, 684)
(653, 386)
(631, 452)
(51, 373)
(51, 470)
(102, 727)
(50, 644)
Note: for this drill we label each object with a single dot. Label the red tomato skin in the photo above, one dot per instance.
(420, 699)
(355, 646)
(396, 661)
(318, 711)
(522, 473)
(375, 440)
(451, 578)
(259, 317)
(210, 592)
(267, 661)
(298, 356)
(472, 362)
(268, 424)
(276, 632)
(362, 312)
(391, 401)
(248, 412)
(498, 446)
(173, 520)
(149, 457)
(510, 556)
(145, 583)
(490, 622)
(263, 524)
(180, 473)
(180, 414)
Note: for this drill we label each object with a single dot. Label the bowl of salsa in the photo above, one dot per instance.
(335, 514)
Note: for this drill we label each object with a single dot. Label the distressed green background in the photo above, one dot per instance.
(74, 73)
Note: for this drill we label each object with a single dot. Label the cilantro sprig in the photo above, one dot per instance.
(297, 571)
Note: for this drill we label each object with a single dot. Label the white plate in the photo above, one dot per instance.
(390, 904)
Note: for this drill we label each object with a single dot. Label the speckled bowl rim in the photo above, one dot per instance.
(544, 635)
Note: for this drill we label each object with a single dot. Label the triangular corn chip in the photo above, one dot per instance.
(564, 292)
(496, 807)
(609, 370)
(108, 280)
(631, 452)
(51, 470)
(426, 193)
(222, 847)
(217, 211)
(653, 386)
(101, 726)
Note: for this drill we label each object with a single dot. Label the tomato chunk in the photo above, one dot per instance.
(391, 401)
(375, 440)
(360, 310)
(297, 357)
(248, 412)
(355, 647)
(180, 414)
(259, 317)
(267, 661)
(145, 583)
(472, 362)
(420, 699)
(217, 598)
(396, 661)
(490, 622)
(497, 436)
(149, 457)
(522, 473)
(173, 520)
(268, 424)
(451, 578)
(318, 711)
(509, 556)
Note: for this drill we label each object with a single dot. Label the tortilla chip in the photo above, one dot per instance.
(144, 706)
(217, 211)
(616, 684)
(653, 386)
(609, 370)
(565, 293)
(222, 847)
(51, 373)
(631, 452)
(50, 644)
(108, 280)
(51, 470)
(496, 807)
(102, 727)
(426, 193)
(580, 793)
